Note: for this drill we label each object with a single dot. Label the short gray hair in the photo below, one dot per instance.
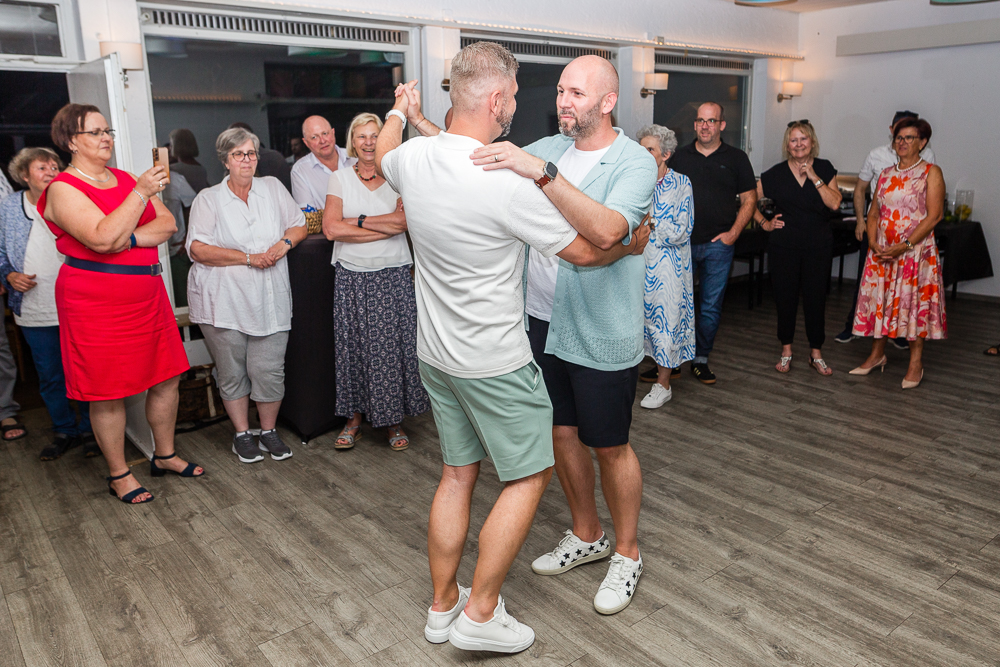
(476, 72)
(233, 138)
(666, 137)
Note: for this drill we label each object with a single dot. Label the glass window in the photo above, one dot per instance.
(28, 29)
(536, 115)
(677, 107)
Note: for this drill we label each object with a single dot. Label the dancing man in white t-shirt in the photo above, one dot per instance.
(469, 228)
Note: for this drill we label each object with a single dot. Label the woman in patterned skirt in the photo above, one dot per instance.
(669, 297)
(374, 306)
(902, 294)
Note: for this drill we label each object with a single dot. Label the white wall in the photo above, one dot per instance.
(851, 99)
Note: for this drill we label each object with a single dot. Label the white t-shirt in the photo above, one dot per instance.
(574, 165)
(359, 200)
(257, 302)
(468, 228)
(38, 305)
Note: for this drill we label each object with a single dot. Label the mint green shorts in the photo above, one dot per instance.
(508, 418)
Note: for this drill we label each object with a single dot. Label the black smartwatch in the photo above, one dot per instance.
(549, 173)
(361, 219)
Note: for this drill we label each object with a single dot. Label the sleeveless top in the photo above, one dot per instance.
(107, 200)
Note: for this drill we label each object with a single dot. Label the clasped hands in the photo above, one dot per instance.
(269, 258)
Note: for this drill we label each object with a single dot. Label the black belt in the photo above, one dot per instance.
(120, 269)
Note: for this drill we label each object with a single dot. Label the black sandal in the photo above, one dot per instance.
(157, 471)
(16, 426)
(60, 444)
(992, 351)
(90, 446)
(127, 498)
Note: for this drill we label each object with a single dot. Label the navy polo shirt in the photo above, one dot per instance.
(717, 180)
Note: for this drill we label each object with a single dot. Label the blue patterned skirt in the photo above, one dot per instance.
(375, 320)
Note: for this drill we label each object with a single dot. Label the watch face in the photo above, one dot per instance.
(550, 170)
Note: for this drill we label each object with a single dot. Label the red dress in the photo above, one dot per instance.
(117, 333)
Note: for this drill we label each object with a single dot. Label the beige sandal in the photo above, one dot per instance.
(347, 440)
(398, 441)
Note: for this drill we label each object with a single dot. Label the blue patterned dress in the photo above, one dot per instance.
(669, 294)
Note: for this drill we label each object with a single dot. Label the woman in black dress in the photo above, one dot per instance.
(805, 195)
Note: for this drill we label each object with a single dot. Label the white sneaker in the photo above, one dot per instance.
(619, 585)
(657, 396)
(439, 622)
(570, 552)
(500, 634)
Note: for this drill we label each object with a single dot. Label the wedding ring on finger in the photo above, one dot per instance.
(161, 184)
(496, 158)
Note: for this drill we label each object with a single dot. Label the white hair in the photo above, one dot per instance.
(666, 137)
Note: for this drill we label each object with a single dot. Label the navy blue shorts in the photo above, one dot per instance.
(598, 403)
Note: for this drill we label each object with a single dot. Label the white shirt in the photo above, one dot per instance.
(254, 301)
(885, 156)
(38, 305)
(468, 228)
(574, 165)
(310, 178)
(359, 200)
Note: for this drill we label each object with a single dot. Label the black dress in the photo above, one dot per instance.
(800, 253)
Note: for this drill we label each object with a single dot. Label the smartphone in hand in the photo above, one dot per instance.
(161, 158)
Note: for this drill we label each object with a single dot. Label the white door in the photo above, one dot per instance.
(102, 83)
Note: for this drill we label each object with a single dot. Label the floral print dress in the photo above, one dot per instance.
(669, 291)
(904, 297)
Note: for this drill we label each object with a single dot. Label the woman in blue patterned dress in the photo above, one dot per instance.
(669, 299)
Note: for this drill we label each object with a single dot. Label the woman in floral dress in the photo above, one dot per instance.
(669, 296)
(902, 294)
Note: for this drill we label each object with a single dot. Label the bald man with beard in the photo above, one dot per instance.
(311, 174)
(586, 324)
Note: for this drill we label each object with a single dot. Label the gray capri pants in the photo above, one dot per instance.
(253, 365)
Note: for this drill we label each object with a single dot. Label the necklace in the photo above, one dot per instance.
(372, 178)
(96, 180)
(910, 168)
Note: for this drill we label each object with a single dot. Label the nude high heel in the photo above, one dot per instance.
(909, 384)
(865, 371)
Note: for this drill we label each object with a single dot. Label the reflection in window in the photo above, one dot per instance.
(677, 107)
(28, 29)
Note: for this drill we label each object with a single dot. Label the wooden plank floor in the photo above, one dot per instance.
(787, 520)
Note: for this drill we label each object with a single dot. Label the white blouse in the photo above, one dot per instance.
(38, 305)
(359, 200)
(253, 301)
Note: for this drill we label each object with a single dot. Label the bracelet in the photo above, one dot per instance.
(398, 114)
(145, 202)
(906, 242)
(132, 242)
(819, 183)
(248, 260)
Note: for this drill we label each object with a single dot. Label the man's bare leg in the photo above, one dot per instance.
(501, 539)
(447, 531)
(621, 482)
(575, 468)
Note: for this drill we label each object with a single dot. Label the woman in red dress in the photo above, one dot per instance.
(118, 334)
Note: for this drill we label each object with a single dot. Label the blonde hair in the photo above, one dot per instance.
(807, 128)
(21, 163)
(478, 70)
(358, 121)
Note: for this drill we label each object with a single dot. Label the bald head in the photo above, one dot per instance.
(587, 94)
(319, 137)
(600, 75)
(314, 125)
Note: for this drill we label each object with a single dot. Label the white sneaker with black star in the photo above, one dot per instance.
(618, 588)
(570, 552)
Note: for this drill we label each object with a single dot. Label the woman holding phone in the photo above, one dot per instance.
(117, 329)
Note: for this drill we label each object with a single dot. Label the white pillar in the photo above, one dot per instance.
(437, 45)
(633, 111)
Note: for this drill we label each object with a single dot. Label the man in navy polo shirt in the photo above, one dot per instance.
(725, 194)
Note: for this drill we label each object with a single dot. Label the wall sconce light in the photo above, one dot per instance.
(789, 89)
(446, 81)
(129, 52)
(654, 81)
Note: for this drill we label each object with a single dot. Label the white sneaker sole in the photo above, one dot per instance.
(458, 640)
(659, 404)
(276, 457)
(615, 610)
(260, 457)
(585, 559)
(436, 636)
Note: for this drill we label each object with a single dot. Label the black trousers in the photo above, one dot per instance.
(862, 256)
(805, 272)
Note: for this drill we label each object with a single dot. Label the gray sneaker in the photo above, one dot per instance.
(243, 447)
(271, 442)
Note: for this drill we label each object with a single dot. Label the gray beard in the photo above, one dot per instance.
(584, 126)
(505, 122)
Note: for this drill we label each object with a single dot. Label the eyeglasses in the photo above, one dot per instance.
(711, 122)
(906, 138)
(97, 133)
(240, 156)
(804, 121)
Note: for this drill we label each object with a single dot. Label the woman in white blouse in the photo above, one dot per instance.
(238, 290)
(374, 306)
